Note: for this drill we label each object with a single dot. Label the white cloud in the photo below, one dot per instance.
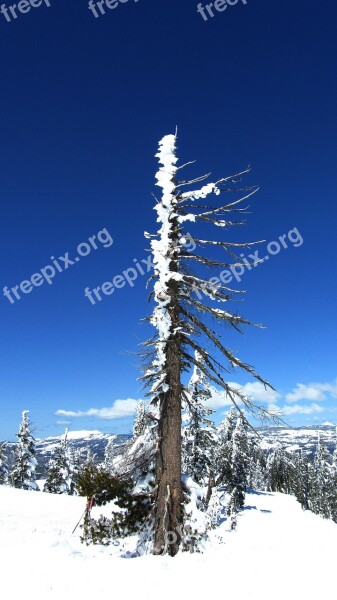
(119, 409)
(254, 390)
(300, 409)
(274, 410)
(63, 422)
(259, 393)
(218, 400)
(312, 391)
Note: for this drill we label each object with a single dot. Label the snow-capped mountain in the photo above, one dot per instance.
(299, 438)
(95, 441)
(292, 439)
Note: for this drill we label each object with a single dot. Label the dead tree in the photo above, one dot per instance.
(184, 302)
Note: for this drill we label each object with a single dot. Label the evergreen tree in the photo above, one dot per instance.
(321, 481)
(22, 473)
(87, 472)
(279, 471)
(214, 509)
(140, 420)
(333, 498)
(198, 436)
(225, 448)
(136, 459)
(184, 303)
(302, 476)
(3, 465)
(257, 465)
(334, 459)
(75, 463)
(109, 454)
(239, 468)
(60, 477)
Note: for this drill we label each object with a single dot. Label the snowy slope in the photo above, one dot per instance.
(278, 552)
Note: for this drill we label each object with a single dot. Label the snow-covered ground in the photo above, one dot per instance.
(278, 552)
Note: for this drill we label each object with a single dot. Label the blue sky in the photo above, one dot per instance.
(85, 101)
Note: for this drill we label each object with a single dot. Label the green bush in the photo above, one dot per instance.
(96, 482)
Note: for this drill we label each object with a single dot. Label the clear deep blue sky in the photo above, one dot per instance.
(84, 102)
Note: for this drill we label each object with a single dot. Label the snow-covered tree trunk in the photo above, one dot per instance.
(168, 509)
(166, 317)
(180, 318)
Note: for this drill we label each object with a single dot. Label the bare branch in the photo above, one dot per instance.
(192, 181)
(209, 288)
(228, 207)
(229, 355)
(207, 261)
(234, 320)
(228, 244)
(191, 162)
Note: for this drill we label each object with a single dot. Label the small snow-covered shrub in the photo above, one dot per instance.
(214, 509)
(97, 483)
(194, 531)
(97, 531)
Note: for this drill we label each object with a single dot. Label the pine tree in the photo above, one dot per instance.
(333, 495)
(334, 457)
(136, 460)
(225, 448)
(239, 468)
(214, 509)
(140, 420)
(198, 436)
(301, 480)
(60, 477)
(279, 471)
(184, 303)
(3, 465)
(22, 474)
(75, 463)
(87, 473)
(257, 465)
(109, 454)
(321, 481)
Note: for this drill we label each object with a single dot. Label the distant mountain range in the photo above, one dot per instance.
(292, 439)
(299, 438)
(95, 441)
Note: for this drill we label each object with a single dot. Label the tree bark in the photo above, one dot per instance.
(210, 485)
(168, 503)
